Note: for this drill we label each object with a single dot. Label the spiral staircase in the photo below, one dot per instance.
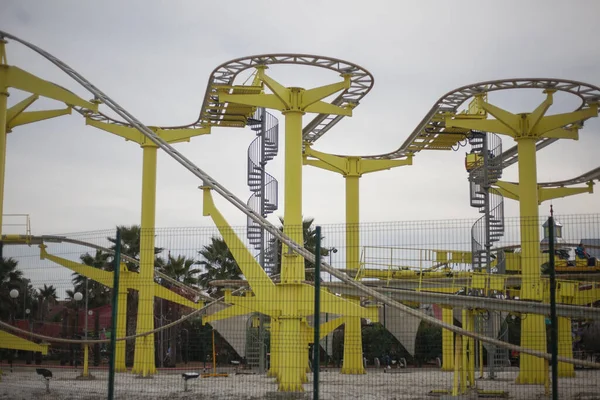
(488, 169)
(264, 187)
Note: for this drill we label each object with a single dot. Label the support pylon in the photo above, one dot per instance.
(13, 77)
(526, 129)
(144, 360)
(291, 293)
(351, 168)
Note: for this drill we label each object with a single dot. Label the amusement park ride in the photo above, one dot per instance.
(289, 300)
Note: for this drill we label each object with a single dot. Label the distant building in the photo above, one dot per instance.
(558, 239)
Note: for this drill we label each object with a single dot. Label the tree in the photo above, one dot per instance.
(310, 244)
(98, 294)
(10, 278)
(218, 264)
(47, 295)
(130, 244)
(179, 268)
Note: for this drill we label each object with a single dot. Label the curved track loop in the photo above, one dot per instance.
(433, 123)
(210, 182)
(224, 75)
(590, 176)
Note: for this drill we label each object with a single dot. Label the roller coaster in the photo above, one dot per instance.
(448, 123)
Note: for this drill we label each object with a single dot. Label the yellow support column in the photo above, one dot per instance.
(292, 265)
(565, 347)
(86, 361)
(352, 168)
(533, 336)
(527, 129)
(447, 340)
(3, 103)
(352, 221)
(353, 357)
(274, 358)
(144, 362)
(293, 102)
(144, 346)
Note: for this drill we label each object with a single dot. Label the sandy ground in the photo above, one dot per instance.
(376, 385)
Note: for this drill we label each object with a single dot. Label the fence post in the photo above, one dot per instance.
(115, 305)
(553, 318)
(317, 318)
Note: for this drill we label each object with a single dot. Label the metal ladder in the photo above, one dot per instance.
(490, 227)
(264, 187)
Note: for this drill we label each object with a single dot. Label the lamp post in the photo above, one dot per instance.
(77, 296)
(14, 293)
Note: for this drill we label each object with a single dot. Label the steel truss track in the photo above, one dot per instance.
(470, 302)
(433, 124)
(589, 176)
(212, 112)
(239, 204)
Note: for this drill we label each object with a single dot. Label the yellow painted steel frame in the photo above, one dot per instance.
(526, 129)
(288, 304)
(144, 361)
(351, 168)
(13, 342)
(512, 191)
(13, 77)
(128, 280)
(293, 102)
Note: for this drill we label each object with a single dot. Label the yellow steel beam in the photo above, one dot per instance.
(36, 116)
(132, 134)
(21, 106)
(22, 80)
(128, 279)
(10, 341)
(229, 312)
(254, 274)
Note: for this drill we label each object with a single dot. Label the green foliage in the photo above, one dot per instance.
(130, 243)
(428, 343)
(310, 244)
(378, 342)
(98, 294)
(179, 268)
(218, 264)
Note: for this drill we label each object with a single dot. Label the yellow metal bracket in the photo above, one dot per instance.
(128, 279)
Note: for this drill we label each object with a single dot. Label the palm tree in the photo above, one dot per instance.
(10, 278)
(98, 294)
(130, 243)
(47, 295)
(180, 269)
(310, 244)
(218, 264)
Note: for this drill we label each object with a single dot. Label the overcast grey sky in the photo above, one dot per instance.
(154, 58)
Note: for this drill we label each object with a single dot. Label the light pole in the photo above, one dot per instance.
(77, 296)
(14, 293)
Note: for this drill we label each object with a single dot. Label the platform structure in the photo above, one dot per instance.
(441, 129)
(527, 129)
(288, 302)
(15, 116)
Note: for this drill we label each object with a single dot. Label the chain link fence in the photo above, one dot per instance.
(203, 319)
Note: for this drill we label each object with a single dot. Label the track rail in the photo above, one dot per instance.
(433, 124)
(239, 204)
(361, 82)
(589, 176)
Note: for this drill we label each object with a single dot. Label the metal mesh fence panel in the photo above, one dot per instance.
(257, 340)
